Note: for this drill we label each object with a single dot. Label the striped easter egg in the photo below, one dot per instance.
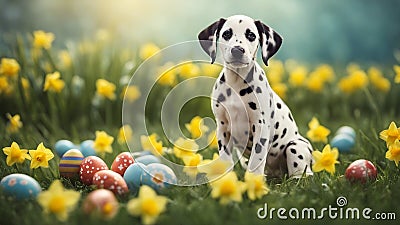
(70, 163)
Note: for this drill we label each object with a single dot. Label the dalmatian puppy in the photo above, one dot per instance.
(250, 116)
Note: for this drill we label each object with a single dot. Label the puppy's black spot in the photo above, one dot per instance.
(258, 90)
(254, 128)
(258, 148)
(292, 150)
(228, 92)
(219, 144)
(295, 164)
(224, 135)
(263, 140)
(221, 98)
(240, 21)
(222, 122)
(270, 101)
(247, 90)
(290, 117)
(272, 114)
(276, 125)
(300, 157)
(275, 145)
(275, 138)
(217, 105)
(278, 105)
(261, 78)
(262, 113)
(284, 132)
(222, 79)
(253, 105)
(250, 76)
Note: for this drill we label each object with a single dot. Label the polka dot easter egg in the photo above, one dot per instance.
(133, 176)
(70, 163)
(110, 180)
(158, 176)
(89, 166)
(101, 202)
(20, 186)
(62, 146)
(361, 171)
(122, 162)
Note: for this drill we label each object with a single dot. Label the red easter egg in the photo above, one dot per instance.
(360, 171)
(89, 166)
(122, 162)
(110, 180)
(101, 202)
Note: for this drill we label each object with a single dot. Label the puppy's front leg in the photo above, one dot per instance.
(224, 143)
(260, 147)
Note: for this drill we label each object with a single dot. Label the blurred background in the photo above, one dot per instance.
(313, 30)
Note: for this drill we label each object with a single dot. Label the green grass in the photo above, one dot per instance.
(48, 117)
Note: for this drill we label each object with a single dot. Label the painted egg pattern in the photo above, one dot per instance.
(158, 176)
(361, 170)
(20, 186)
(62, 146)
(110, 180)
(122, 162)
(101, 202)
(70, 163)
(89, 166)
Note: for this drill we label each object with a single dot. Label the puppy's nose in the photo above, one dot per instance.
(237, 52)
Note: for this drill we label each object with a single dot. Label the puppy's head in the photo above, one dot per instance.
(238, 38)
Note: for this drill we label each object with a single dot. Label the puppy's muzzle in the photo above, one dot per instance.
(237, 52)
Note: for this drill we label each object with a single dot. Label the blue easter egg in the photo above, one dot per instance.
(70, 163)
(142, 153)
(62, 146)
(87, 148)
(158, 176)
(343, 142)
(20, 186)
(346, 130)
(147, 159)
(133, 175)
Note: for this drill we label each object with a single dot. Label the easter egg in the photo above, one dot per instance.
(147, 159)
(158, 176)
(142, 153)
(62, 146)
(122, 162)
(361, 171)
(133, 176)
(70, 163)
(343, 142)
(20, 186)
(110, 180)
(346, 130)
(89, 166)
(87, 149)
(102, 203)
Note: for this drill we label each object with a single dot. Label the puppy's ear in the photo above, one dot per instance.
(270, 41)
(208, 38)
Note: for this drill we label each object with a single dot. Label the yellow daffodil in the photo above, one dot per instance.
(391, 134)
(40, 157)
(213, 168)
(102, 143)
(255, 185)
(167, 75)
(325, 72)
(53, 83)
(212, 140)
(148, 205)
(151, 144)
(298, 76)
(148, 50)
(130, 93)
(15, 154)
(9, 67)
(275, 71)
(354, 81)
(280, 89)
(393, 154)
(105, 89)
(125, 134)
(185, 147)
(315, 83)
(228, 188)
(58, 200)
(189, 70)
(317, 133)
(196, 127)
(4, 85)
(42, 39)
(65, 58)
(396, 69)
(14, 123)
(210, 70)
(326, 159)
(191, 162)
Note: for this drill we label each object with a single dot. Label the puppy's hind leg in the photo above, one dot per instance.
(299, 158)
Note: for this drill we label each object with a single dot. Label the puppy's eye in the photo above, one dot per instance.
(250, 35)
(227, 34)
